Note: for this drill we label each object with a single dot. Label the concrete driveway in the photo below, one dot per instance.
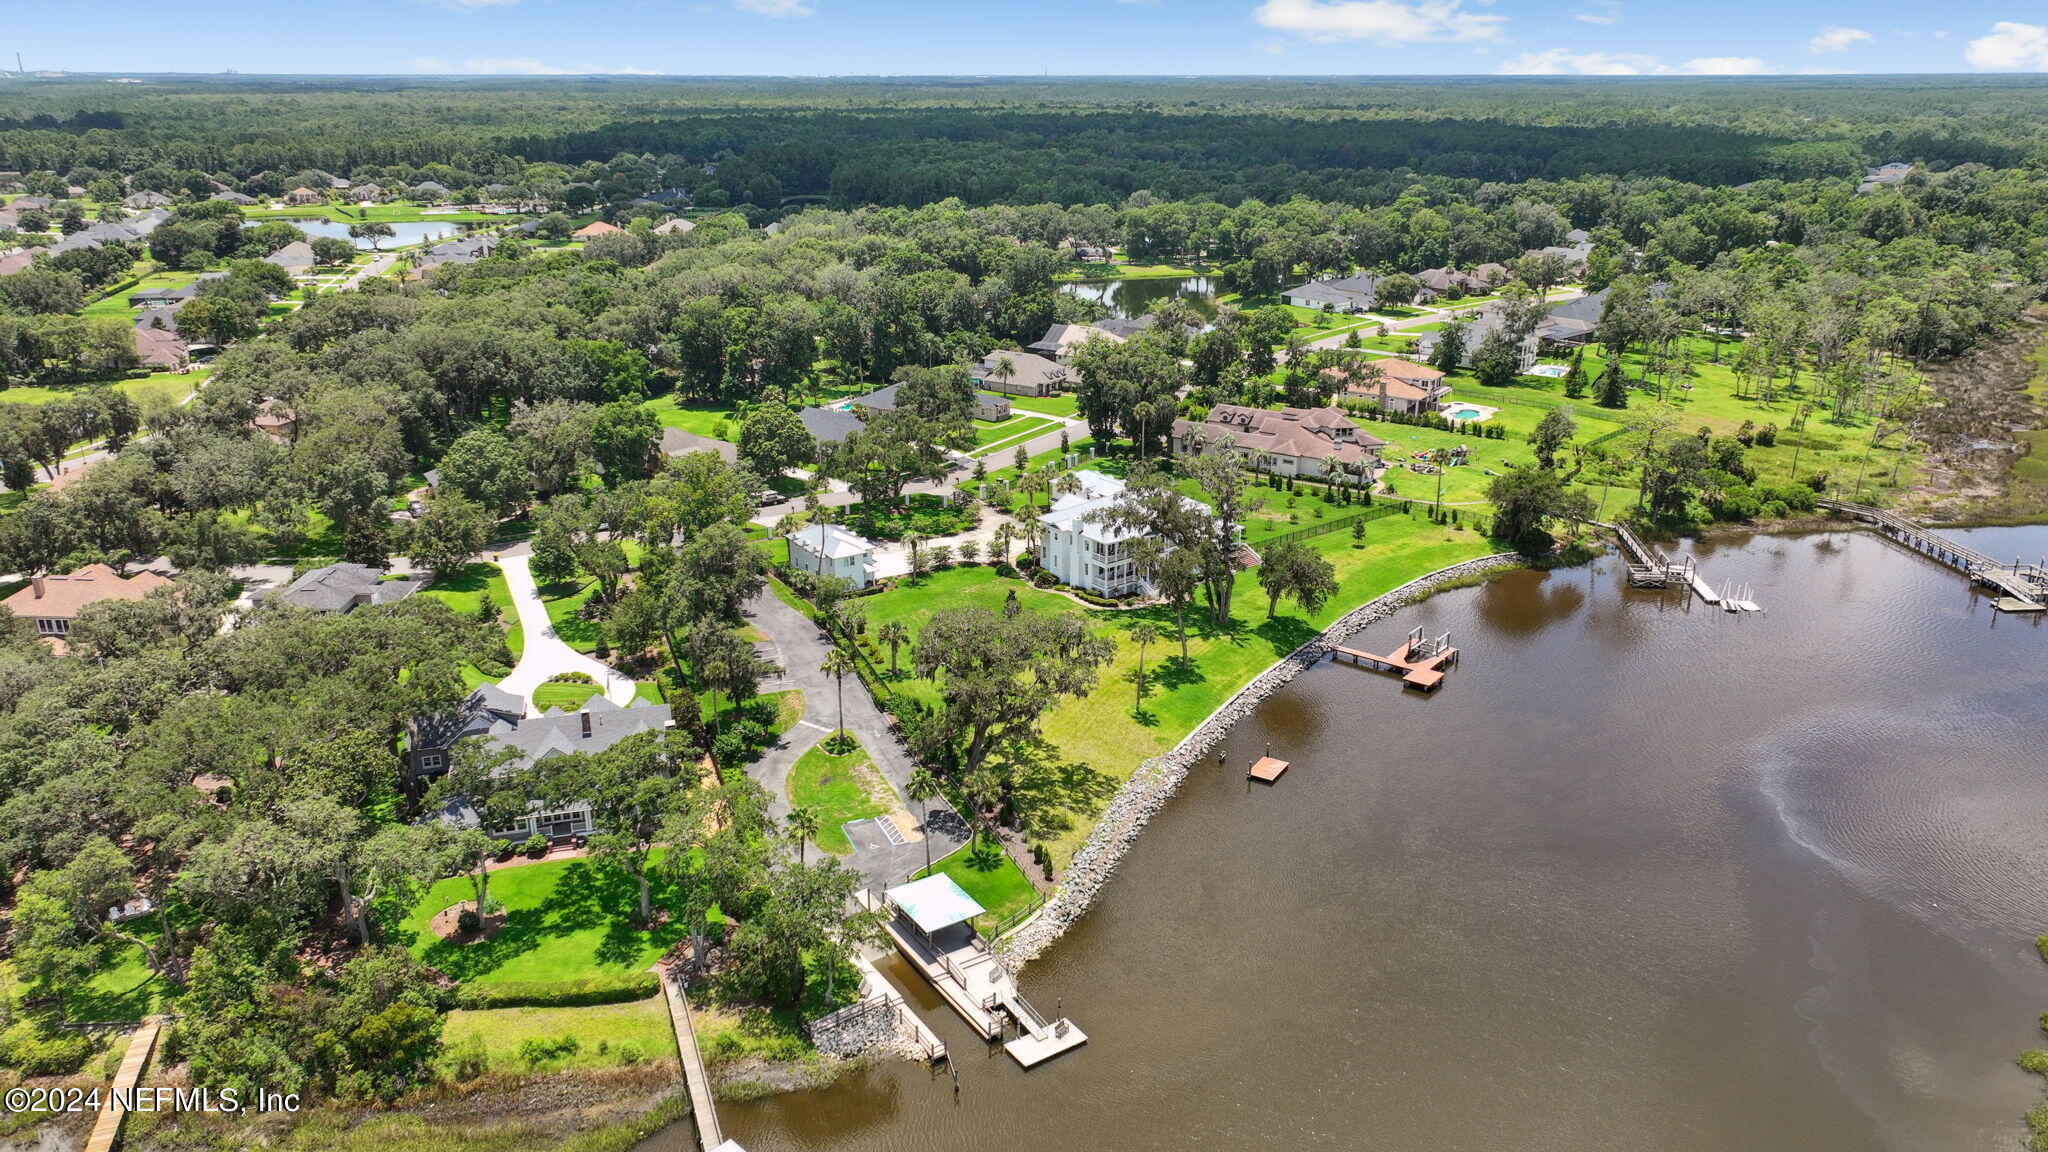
(545, 654)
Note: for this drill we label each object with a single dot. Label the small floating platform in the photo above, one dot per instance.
(1036, 1047)
(2015, 604)
(1267, 769)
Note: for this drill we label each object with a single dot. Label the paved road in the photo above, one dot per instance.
(378, 265)
(796, 644)
(1432, 316)
(545, 654)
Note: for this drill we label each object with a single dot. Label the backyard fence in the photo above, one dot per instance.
(1382, 506)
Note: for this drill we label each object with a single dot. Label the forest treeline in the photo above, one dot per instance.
(1024, 141)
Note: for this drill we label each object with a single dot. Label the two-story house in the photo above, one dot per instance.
(1304, 442)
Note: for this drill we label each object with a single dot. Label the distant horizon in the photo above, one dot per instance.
(1277, 77)
(1086, 38)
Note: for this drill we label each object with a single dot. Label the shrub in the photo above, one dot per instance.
(468, 1059)
(505, 850)
(614, 989)
(467, 922)
(536, 846)
(32, 1051)
(540, 1050)
(1043, 579)
(571, 678)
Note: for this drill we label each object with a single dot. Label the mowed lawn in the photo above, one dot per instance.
(465, 590)
(993, 438)
(565, 920)
(607, 1035)
(1063, 405)
(1092, 744)
(836, 788)
(984, 871)
(161, 389)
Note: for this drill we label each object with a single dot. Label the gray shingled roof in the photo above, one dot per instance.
(499, 717)
(341, 587)
(829, 425)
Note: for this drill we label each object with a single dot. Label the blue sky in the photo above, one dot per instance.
(1011, 37)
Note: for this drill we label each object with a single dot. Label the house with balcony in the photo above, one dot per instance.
(1309, 443)
(829, 550)
(499, 720)
(1078, 545)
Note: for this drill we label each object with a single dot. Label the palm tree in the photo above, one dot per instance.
(923, 787)
(1005, 534)
(895, 634)
(836, 665)
(803, 824)
(913, 540)
(1005, 368)
(1144, 634)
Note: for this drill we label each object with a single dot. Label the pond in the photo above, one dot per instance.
(406, 232)
(1641, 875)
(1133, 298)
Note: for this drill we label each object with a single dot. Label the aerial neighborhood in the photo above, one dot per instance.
(570, 609)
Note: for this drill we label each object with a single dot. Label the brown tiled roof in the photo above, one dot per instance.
(61, 597)
(597, 228)
(1298, 432)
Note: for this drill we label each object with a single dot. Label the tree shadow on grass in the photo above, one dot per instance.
(588, 896)
(1051, 790)
(1286, 633)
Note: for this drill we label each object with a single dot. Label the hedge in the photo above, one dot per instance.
(560, 993)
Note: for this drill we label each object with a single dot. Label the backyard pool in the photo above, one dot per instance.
(1469, 413)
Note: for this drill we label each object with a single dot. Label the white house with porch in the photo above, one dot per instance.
(830, 550)
(1079, 545)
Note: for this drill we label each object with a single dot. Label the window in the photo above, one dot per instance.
(49, 626)
(432, 761)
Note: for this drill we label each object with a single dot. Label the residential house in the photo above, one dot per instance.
(235, 198)
(302, 195)
(986, 407)
(1883, 176)
(774, 229)
(1571, 323)
(675, 227)
(163, 297)
(498, 718)
(1018, 373)
(1449, 282)
(1491, 275)
(369, 193)
(338, 183)
(1126, 326)
(431, 190)
(830, 550)
(1060, 340)
(22, 203)
(296, 258)
(141, 200)
(829, 425)
(164, 316)
(1578, 236)
(275, 420)
(1403, 386)
(20, 261)
(461, 250)
(594, 229)
(340, 588)
(1079, 546)
(1286, 442)
(676, 442)
(53, 602)
(161, 347)
(1328, 296)
(1477, 329)
(1575, 254)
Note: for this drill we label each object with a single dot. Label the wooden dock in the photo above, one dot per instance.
(2019, 587)
(106, 1128)
(1649, 567)
(967, 975)
(1267, 769)
(1420, 662)
(702, 1108)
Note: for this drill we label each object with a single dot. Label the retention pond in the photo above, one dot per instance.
(1641, 875)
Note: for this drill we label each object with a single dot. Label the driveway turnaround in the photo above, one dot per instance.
(546, 655)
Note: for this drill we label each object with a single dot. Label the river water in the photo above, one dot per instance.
(1641, 875)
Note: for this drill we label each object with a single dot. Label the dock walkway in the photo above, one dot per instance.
(2024, 585)
(1649, 567)
(106, 1128)
(702, 1108)
(1420, 661)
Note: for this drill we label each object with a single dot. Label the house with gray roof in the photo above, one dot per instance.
(829, 425)
(340, 588)
(829, 550)
(1477, 329)
(233, 197)
(1350, 294)
(1025, 374)
(296, 258)
(986, 407)
(498, 718)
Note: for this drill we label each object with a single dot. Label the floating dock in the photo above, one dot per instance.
(1267, 769)
(1650, 568)
(1420, 662)
(928, 920)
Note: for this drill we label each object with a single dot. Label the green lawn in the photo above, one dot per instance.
(117, 303)
(988, 874)
(703, 417)
(563, 602)
(1130, 272)
(1062, 405)
(1005, 436)
(562, 695)
(838, 789)
(607, 1035)
(464, 592)
(125, 989)
(164, 388)
(1093, 743)
(565, 920)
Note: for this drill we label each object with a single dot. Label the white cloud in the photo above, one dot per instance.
(521, 66)
(1565, 62)
(1602, 12)
(2011, 47)
(776, 8)
(1387, 21)
(1835, 38)
(1271, 46)
(465, 5)
(1725, 66)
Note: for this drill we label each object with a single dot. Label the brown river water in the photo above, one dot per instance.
(1641, 875)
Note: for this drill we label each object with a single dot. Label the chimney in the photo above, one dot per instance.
(37, 584)
(585, 717)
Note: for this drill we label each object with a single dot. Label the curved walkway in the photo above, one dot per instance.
(545, 654)
(795, 643)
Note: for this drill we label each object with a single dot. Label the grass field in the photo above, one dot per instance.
(703, 417)
(565, 920)
(163, 389)
(1064, 405)
(1092, 744)
(117, 303)
(564, 601)
(607, 1035)
(1007, 435)
(987, 873)
(465, 590)
(837, 789)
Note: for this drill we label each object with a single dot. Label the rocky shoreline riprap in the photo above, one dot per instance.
(1148, 789)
